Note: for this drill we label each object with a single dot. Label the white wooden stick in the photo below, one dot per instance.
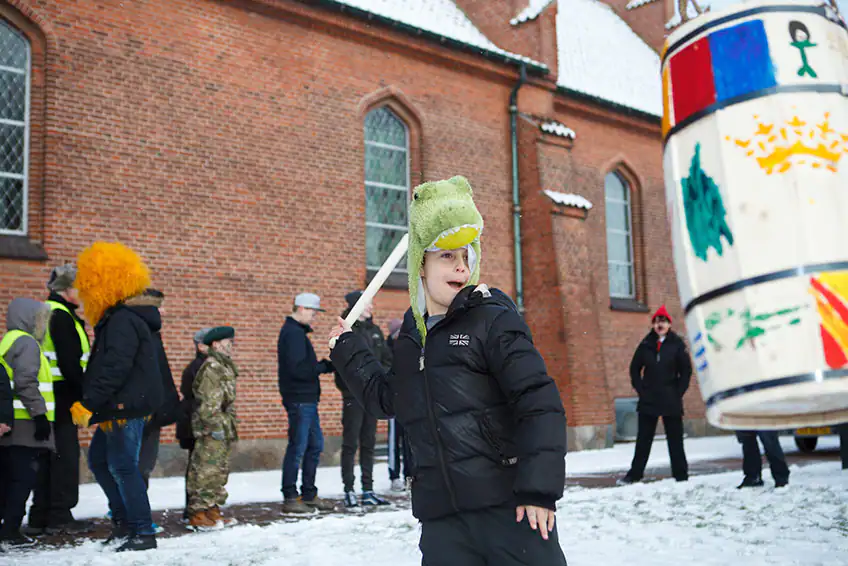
(376, 283)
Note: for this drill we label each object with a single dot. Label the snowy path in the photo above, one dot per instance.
(705, 522)
(257, 487)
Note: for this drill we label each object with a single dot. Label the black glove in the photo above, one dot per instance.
(42, 428)
(326, 366)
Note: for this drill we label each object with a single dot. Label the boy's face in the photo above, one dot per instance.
(445, 273)
(224, 346)
(661, 325)
(367, 312)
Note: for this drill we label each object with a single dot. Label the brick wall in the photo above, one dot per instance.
(226, 146)
(224, 142)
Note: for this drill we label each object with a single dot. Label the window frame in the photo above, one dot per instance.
(628, 191)
(24, 178)
(400, 269)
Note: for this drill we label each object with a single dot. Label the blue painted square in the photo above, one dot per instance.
(741, 60)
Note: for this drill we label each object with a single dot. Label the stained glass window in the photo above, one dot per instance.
(619, 237)
(386, 185)
(14, 129)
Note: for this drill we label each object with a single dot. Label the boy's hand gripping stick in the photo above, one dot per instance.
(377, 282)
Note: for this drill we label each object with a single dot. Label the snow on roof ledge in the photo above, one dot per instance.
(633, 4)
(568, 199)
(558, 129)
(625, 72)
(439, 17)
(531, 11)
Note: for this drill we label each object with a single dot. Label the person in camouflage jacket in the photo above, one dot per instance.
(213, 422)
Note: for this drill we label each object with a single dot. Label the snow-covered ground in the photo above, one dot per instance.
(705, 521)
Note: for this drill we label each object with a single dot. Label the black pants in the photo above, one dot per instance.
(18, 472)
(398, 450)
(843, 444)
(752, 462)
(149, 452)
(489, 537)
(360, 429)
(57, 485)
(190, 452)
(645, 438)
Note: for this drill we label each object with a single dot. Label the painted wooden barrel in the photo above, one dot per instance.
(755, 133)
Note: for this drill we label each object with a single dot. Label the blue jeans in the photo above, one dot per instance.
(113, 459)
(306, 442)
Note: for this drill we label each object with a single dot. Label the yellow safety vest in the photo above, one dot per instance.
(49, 348)
(45, 380)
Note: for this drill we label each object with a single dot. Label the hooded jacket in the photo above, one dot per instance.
(661, 375)
(66, 340)
(24, 357)
(170, 410)
(123, 379)
(484, 421)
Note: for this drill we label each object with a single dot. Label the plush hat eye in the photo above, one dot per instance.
(415, 196)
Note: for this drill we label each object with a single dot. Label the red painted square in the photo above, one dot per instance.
(693, 88)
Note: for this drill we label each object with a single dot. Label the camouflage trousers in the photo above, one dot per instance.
(208, 471)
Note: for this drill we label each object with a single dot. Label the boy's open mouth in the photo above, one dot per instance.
(457, 285)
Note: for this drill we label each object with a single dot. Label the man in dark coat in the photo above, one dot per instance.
(66, 347)
(359, 428)
(299, 373)
(660, 372)
(122, 386)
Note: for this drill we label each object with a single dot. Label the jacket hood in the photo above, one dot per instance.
(149, 314)
(28, 315)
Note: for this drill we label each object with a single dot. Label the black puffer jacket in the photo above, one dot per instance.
(184, 432)
(661, 377)
(123, 379)
(484, 421)
(373, 337)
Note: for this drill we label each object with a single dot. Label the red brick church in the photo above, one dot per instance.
(254, 149)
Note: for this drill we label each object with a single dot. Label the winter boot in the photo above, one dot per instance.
(215, 515)
(626, 480)
(202, 521)
(14, 539)
(350, 499)
(320, 504)
(138, 542)
(120, 532)
(296, 506)
(751, 482)
(370, 498)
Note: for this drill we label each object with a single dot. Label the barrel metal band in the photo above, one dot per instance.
(818, 10)
(816, 376)
(764, 278)
(822, 88)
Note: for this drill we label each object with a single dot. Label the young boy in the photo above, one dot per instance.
(484, 420)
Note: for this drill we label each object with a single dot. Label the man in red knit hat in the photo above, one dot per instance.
(660, 373)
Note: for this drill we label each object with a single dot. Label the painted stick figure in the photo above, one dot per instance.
(801, 40)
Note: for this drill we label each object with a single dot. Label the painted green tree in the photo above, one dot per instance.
(705, 212)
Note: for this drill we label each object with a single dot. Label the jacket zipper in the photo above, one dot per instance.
(432, 418)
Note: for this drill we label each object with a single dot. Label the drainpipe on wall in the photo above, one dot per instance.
(516, 203)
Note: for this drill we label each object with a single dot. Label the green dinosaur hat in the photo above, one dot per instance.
(442, 216)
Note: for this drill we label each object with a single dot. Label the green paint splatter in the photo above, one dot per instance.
(705, 212)
(752, 327)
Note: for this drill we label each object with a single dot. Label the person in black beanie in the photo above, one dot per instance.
(360, 428)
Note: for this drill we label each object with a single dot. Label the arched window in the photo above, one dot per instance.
(14, 129)
(386, 185)
(622, 283)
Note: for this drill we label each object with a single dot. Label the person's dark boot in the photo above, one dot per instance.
(120, 532)
(627, 480)
(14, 539)
(138, 542)
(781, 483)
(750, 482)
